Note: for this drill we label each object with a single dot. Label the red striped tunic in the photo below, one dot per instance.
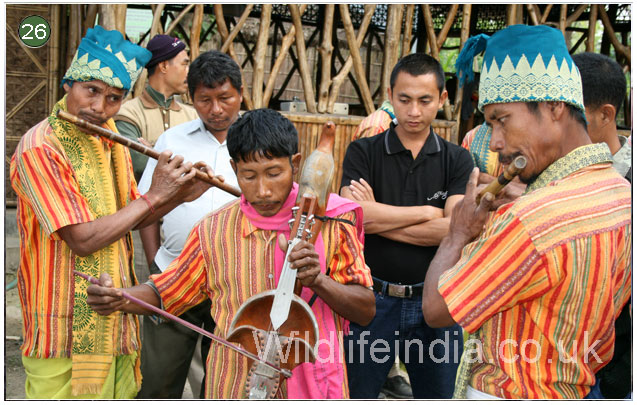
(543, 285)
(49, 198)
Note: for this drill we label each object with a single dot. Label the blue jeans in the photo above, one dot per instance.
(431, 355)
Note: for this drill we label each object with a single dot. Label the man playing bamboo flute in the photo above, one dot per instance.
(77, 203)
(539, 284)
(237, 251)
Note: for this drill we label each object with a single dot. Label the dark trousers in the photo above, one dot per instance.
(167, 350)
(431, 355)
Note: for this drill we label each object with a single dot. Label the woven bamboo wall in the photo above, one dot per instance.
(28, 84)
(309, 128)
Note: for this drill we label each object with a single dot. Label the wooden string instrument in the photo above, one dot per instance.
(277, 324)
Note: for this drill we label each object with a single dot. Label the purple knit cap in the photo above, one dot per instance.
(163, 47)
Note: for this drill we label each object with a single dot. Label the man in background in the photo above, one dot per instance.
(156, 110)
(604, 86)
(214, 83)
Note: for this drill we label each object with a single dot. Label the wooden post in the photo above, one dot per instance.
(75, 25)
(610, 32)
(156, 27)
(237, 28)
(592, 25)
(451, 16)
(464, 35)
(89, 20)
(195, 31)
(409, 26)
(54, 57)
(326, 50)
(531, 8)
(433, 45)
(563, 10)
(545, 15)
(306, 74)
(514, 14)
(286, 42)
(181, 15)
(259, 55)
(354, 45)
(431, 34)
(223, 31)
(338, 80)
(392, 37)
(573, 17)
(120, 18)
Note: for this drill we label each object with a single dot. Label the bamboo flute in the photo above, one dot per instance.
(144, 150)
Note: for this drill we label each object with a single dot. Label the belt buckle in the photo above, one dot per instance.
(400, 291)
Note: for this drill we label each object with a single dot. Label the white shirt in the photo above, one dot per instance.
(192, 141)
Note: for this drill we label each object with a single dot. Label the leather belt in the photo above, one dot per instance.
(399, 290)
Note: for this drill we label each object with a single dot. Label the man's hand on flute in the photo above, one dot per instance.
(174, 180)
(468, 218)
(509, 193)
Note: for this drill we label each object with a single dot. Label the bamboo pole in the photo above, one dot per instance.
(176, 21)
(573, 17)
(75, 25)
(392, 38)
(354, 45)
(54, 56)
(89, 20)
(545, 15)
(326, 50)
(563, 10)
(223, 31)
(511, 11)
(431, 34)
(259, 55)
(409, 25)
(531, 8)
(610, 32)
(120, 18)
(592, 26)
(433, 45)
(195, 31)
(464, 35)
(237, 28)
(286, 42)
(451, 16)
(338, 80)
(306, 74)
(156, 27)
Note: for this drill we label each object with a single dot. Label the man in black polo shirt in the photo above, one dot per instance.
(407, 179)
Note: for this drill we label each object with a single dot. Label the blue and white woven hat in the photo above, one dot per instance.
(105, 55)
(522, 64)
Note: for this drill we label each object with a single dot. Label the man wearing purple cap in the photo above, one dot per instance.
(156, 110)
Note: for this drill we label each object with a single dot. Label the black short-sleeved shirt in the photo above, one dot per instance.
(440, 170)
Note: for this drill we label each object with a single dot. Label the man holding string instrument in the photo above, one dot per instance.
(236, 252)
(77, 203)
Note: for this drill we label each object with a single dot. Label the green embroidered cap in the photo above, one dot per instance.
(105, 55)
(522, 64)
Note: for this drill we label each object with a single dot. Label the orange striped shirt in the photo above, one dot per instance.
(228, 259)
(543, 284)
(49, 198)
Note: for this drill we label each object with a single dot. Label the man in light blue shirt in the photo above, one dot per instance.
(214, 83)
